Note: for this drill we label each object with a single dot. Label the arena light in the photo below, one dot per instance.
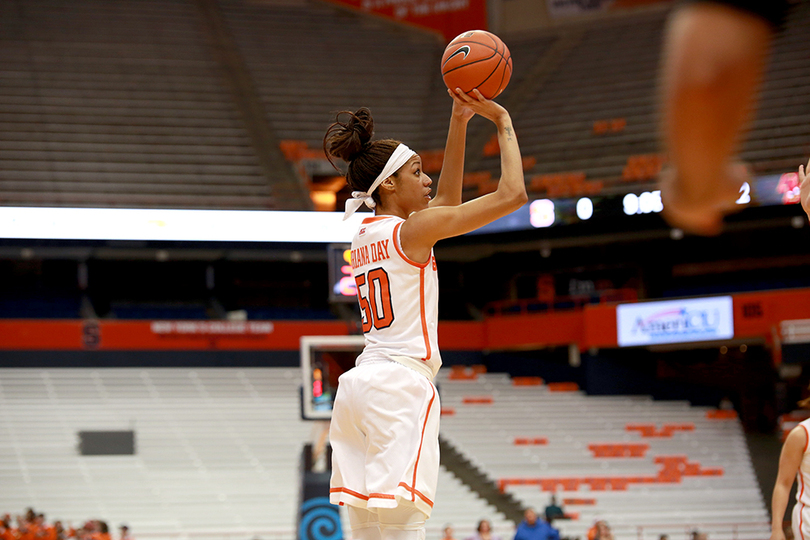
(584, 208)
(149, 224)
(646, 203)
(541, 213)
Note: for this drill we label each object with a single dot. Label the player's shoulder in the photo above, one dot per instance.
(798, 436)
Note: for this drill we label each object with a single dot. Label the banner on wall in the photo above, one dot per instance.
(675, 321)
(449, 17)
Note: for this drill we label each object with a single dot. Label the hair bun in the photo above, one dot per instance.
(347, 140)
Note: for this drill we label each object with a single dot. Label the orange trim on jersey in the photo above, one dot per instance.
(348, 492)
(373, 219)
(402, 253)
(801, 481)
(360, 495)
(381, 496)
(417, 492)
(421, 440)
(806, 437)
(422, 314)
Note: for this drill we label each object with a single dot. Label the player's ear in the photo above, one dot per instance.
(388, 184)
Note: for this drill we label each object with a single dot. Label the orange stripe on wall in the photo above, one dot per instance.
(557, 328)
(461, 336)
(599, 326)
(156, 336)
(755, 314)
(22, 335)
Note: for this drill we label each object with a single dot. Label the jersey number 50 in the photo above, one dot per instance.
(375, 302)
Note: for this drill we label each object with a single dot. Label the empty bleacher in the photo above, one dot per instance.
(779, 133)
(126, 104)
(610, 74)
(347, 61)
(146, 311)
(217, 452)
(617, 452)
(118, 104)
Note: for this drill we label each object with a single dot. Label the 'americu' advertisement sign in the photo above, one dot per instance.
(675, 321)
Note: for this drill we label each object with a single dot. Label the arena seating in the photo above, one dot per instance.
(57, 306)
(118, 104)
(780, 131)
(645, 466)
(173, 311)
(217, 452)
(611, 74)
(351, 61)
(125, 104)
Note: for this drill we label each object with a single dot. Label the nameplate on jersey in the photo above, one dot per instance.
(370, 253)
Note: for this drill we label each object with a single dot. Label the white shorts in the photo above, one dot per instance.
(385, 438)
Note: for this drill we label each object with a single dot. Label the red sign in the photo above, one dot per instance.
(449, 17)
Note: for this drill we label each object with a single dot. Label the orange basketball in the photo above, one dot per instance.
(477, 59)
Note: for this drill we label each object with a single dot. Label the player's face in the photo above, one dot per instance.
(413, 186)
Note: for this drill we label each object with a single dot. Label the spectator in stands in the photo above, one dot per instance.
(24, 528)
(714, 58)
(43, 531)
(603, 531)
(532, 528)
(103, 531)
(6, 530)
(59, 532)
(125, 532)
(663, 537)
(448, 532)
(553, 510)
(483, 531)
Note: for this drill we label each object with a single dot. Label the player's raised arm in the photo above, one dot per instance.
(448, 192)
(424, 228)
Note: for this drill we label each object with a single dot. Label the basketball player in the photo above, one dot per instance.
(793, 463)
(385, 422)
(804, 187)
(714, 58)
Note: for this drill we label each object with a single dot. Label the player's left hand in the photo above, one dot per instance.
(804, 187)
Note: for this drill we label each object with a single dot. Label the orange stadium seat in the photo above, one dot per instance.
(721, 414)
(530, 441)
(527, 381)
(478, 400)
(563, 387)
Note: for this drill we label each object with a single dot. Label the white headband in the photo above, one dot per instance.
(399, 158)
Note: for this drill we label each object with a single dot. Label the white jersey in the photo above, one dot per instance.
(399, 298)
(801, 512)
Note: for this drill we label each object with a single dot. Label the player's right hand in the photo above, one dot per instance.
(778, 535)
(481, 105)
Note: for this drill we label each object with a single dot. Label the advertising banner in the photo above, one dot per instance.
(675, 321)
(449, 17)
